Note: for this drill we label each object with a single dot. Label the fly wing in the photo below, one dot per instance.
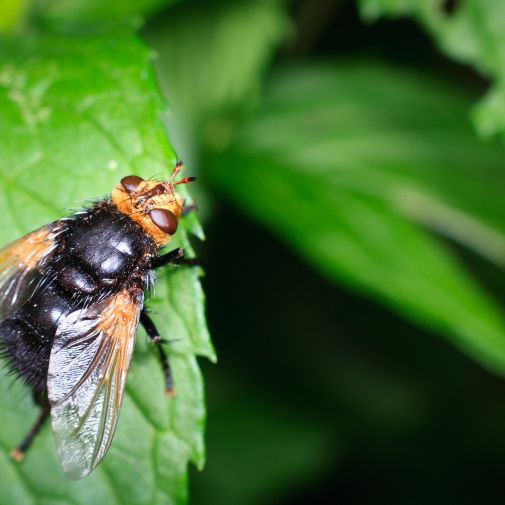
(20, 266)
(89, 363)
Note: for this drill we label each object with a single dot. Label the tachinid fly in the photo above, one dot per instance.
(71, 298)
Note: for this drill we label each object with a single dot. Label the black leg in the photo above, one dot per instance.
(20, 453)
(175, 257)
(154, 335)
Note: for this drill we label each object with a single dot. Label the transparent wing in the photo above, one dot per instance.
(20, 264)
(89, 364)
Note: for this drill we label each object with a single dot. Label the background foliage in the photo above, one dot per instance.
(351, 185)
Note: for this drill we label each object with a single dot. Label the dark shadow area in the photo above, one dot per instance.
(391, 414)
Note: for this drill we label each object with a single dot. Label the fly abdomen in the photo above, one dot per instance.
(45, 310)
(28, 334)
(26, 351)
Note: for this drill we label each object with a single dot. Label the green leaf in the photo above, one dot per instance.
(94, 16)
(12, 15)
(77, 115)
(474, 33)
(350, 164)
(212, 57)
(265, 449)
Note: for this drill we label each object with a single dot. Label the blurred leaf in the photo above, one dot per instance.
(77, 115)
(94, 15)
(12, 15)
(259, 448)
(212, 57)
(471, 32)
(346, 162)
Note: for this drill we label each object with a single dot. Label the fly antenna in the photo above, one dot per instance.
(178, 167)
(186, 180)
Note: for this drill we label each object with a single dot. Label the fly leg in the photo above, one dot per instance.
(175, 257)
(154, 335)
(20, 453)
(188, 209)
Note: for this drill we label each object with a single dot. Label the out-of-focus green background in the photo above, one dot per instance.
(351, 185)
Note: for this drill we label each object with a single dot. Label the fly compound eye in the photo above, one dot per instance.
(131, 183)
(165, 220)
